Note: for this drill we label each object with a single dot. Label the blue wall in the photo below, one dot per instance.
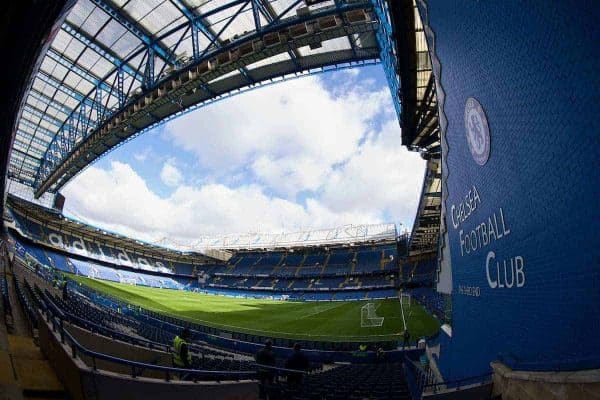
(533, 67)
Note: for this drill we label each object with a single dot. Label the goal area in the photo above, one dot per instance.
(368, 316)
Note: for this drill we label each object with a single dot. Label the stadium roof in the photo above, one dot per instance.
(342, 235)
(118, 67)
(419, 116)
(207, 247)
(426, 228)
(55, 220)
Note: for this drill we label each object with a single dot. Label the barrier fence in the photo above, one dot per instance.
(56, 318)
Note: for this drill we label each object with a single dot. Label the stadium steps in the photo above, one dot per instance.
(48, 258)
(255, 263)
(382, 261)
(290, 284)
(274, 271)
(353, 267)
(325, 263)
(69, 264)
(341, 285)
(24, 371)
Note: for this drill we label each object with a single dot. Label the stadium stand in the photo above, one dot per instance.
(375, 382)
(430, 298)
(296, 273)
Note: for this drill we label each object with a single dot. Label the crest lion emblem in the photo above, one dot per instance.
(477, 131)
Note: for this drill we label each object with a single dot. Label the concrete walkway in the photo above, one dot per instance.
(24, 371)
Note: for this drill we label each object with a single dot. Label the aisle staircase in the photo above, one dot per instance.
(325, 263)
(25, 373)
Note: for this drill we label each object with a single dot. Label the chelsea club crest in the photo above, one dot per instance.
(477, 131)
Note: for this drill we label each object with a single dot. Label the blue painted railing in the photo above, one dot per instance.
(56, 317)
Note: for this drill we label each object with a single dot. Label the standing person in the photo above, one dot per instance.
(265, 356)
(181, 355)
(406, 339)
(380, 355)
(296, 361)
(65, 292)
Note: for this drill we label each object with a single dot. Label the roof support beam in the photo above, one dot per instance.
(50, 102)
(184, 93)
(60, 86)
(138, 30)
(29, 124)
(52, 81)
(271, 16)
(42, 115)
(27, 136)
(199, 25)
(99, 48)
(28, 154)
(76, 69)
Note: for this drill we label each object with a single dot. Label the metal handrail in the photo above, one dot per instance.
(85, 323)
(457, 383)
(56, 317)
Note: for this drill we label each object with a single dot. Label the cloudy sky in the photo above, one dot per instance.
(314, 152)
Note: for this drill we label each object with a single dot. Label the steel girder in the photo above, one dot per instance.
(426, 226)
(111, 111)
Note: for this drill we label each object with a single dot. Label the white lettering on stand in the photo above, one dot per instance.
(124, 258)
(464, 210)
(56, 240)
(508, 272)
(78, 246)
(483, 234)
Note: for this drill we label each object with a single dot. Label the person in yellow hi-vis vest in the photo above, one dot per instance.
(181, 355)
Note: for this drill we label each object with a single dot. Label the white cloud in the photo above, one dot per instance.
(142, 155)
(170, 175)
(256, 153)
(382, 176)
(118, 199)
(289, 134)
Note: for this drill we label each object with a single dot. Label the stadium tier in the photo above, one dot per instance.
(93, 249)
(92, 316)
(359, 272)
(232, 279)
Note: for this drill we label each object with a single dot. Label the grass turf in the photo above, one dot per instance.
(324, 321)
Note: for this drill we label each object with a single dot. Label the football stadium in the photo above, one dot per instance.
(413, 183)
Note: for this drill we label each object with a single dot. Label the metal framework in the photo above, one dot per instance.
(119, 67)
(425, 234)
(200, 250)
(52, 219)
(342, 235)
(406, 60)
(413, 72)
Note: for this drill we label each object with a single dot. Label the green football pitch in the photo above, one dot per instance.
(325, 321)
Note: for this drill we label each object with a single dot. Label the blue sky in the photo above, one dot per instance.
(308, 153)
